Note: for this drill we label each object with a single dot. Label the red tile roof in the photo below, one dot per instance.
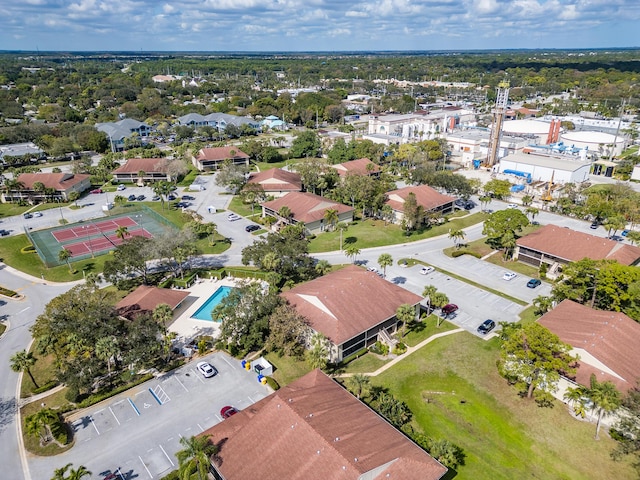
(220, 153)
(147, 165)
(347, 302)
(58, 181)
(306, 207)
(610, 340)
(358, 167)
(426, 196)
(315, 429)
(145, 299)
(572, 246)
(277, 180)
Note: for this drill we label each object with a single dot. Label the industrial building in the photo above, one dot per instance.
(539, 167)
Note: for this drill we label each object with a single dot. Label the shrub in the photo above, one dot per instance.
(28, 249)
(272, 383)
(399, 349)
(46, 387)
(380, 348)
(459, 253)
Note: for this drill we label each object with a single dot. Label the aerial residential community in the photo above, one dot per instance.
(299, 266)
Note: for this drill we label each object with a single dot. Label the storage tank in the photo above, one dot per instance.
(598, 142)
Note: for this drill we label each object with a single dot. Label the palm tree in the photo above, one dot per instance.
(405, 313)
(387, 213)
(60, 473)
(456, 235)
(285, 214)
(634, 237)
(576, 397)
(22, 362)
(352, 251)
(64, 255)
(439, 300)
(605, 399)
(270, 262)
(107, 350)
(359, 384)
(39, 424)
(428, 292)
(74, 473)
(532, 211)
(122, 232)
(385, 260)
(484, 201)
(543, 304)
(317, 354)
(195, 457)
(162, 189)
(527, 200)
(323, 267)
(331, 217)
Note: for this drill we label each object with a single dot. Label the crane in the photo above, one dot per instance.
(502, 98)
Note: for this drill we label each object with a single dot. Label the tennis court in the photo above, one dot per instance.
(97, 236)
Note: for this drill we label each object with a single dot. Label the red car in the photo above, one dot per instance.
(449, 308)
(228, 411)
(97, 190)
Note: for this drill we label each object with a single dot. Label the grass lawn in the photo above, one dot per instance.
(419, 331)
(42, 371)
(454, 391)
(32, 444)
(3, 327)
(287, 369)
(373, 233)
(243, 209)
(367, 363)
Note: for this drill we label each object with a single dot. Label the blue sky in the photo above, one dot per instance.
(316, 25)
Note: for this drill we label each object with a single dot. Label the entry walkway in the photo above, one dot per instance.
(409, 351)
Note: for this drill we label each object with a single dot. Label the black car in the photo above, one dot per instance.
(4, 233)
(594, 225)
(131, 198)
(251, 228)
(140, 198)
(469, 205)
(486, 326)
(28, 215)
(171, 197)
(188, 197)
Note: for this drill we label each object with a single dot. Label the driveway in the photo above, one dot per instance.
(138, 432)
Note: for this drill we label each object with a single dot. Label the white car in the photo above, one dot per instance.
(427, 270)
(206, 369)
(37, 214)
(121, 187)
(232, 217)
(512, 205)
(509, 276)
(372, 269)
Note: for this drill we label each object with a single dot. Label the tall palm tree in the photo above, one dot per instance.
(285, 214)
(22, 362)
(64, 255)
(352, 251)
(385, 260)
(428, 292)
(39, 424)
(331, 217)
(576, 398)
(359, 384)
(78, 473)
(456, 235)
(194, 458)
(543, 304)
(405, 313)
(605, 399)
(122, 232)
(439, 300)
(107, 350)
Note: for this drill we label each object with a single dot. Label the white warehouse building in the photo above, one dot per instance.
(545, 168)
(598, 142)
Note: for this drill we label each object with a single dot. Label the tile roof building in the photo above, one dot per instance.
(426, 197)
(307, 208)
(315, 429)
(145, 299)
(350, 306)
(361, 166)
(155, 169)
(606, 342)
(557, 246)
(277, 182)
(62, 184)
(213, 158)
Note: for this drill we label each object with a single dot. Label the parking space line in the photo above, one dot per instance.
(133, 405)
(114, 415)
(229, 363)
(153, 394)
(168, 458)
(200, 427)
(197, 376)
(160, 395)
(94, 425)
(182, 384)
(145, 467)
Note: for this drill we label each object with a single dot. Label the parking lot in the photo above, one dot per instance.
(136, 434)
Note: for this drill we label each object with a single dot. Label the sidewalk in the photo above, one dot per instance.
(409, 351)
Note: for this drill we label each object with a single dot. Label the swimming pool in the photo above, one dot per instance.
(204, 312)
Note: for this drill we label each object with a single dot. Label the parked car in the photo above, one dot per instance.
(486, 326)
(615, 238)
(427, 270)
(171, 197)
(131, 198)
(96, 190)
(251, 228)
(470, 205)
(37, 214)
(206, 369)
(232, 217)
(624, 233)
(140, 198)
(533, 283)
(188, 197)
(509, 276)
(228, 411)
(512, 205)
(27, 215)
(120, 187)
(594, 225)
(448, 309)
(4, 233)
(155, 198)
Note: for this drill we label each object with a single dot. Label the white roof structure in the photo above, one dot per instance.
(591, 137)
(532, 127)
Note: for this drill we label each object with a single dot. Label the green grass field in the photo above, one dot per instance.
(454, 391)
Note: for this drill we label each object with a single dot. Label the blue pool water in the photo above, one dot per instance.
(204, 312)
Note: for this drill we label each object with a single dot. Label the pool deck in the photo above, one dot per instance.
(187, 328)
